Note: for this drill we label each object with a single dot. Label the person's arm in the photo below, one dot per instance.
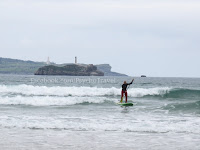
(131, 82)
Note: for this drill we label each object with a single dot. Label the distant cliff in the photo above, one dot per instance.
(16, 66)
(70, 70)
(106, 68)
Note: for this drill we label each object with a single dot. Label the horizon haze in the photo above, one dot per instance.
(156, 38)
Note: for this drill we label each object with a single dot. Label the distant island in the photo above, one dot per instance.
(16, 66)
(70, 70)
(143, 76)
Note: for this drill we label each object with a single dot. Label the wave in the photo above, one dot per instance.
(148, 123)
(183, 93)
(30, 90)
(54, 101)
(191, 107)
(58, 91)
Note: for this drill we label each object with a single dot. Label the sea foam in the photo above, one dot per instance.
(30, 90)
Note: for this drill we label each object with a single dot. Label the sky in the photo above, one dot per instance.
(157, 38)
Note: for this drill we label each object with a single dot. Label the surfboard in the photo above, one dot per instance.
(125, 104)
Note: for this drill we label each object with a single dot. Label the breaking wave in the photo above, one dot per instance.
(43, 95)
(29, 90)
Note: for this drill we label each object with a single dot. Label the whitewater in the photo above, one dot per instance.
(38, 112)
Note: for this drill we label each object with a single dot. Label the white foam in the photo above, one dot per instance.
(140, 92)
(140, 123)
(30, 90)
(51, 101)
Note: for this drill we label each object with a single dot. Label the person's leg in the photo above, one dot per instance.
(122, 95)
(126, 96)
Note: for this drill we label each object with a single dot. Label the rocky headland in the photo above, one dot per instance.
(70, 70)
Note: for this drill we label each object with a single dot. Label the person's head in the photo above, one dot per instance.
(124, 82)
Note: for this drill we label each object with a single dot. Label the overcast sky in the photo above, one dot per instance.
(159, 38)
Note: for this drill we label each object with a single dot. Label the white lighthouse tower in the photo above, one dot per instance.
(48, 61)
(75, 60)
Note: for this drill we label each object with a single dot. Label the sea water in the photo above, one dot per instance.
(59, 112)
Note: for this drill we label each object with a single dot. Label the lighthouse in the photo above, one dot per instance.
(75, 60)
(48, 61)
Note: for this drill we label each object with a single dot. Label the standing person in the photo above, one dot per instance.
(124, 90)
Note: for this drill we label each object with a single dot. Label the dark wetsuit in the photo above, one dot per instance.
(124, 86)
(124, 90)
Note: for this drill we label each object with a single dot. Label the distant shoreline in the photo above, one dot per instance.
(22, 67)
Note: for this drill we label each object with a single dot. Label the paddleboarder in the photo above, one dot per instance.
(124, 90)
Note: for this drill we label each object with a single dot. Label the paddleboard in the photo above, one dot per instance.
(125, 104)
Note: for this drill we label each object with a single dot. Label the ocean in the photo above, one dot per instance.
(61, 112)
